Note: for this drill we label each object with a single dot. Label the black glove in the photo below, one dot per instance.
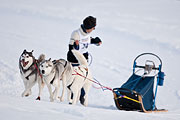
(96, 41)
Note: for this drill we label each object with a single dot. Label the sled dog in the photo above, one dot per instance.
(53, 73)
(79, 80)
(29, 71)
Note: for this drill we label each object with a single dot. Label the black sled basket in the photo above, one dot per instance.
(137, 93)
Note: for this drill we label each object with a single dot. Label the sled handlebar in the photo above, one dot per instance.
(148, 54)
(154, 68)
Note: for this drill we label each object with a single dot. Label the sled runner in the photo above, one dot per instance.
(137, 93)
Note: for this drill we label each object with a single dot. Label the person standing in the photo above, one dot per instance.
(80, 39)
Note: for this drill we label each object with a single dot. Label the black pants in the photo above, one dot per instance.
(72, 58)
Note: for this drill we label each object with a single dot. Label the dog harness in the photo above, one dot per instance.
(33, 68)
(55, 62)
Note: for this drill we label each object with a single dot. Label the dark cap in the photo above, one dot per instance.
(89, 22)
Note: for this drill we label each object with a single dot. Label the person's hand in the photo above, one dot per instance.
(98, 40)
(98, 44)
(77, 42)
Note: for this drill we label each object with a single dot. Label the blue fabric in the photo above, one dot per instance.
(144, 86)
(76, 46)
(82, 96)
(75, 64)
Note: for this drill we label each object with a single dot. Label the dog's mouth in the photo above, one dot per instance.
(43, 71)
(24, 63)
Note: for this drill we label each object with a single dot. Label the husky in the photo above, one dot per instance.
(53, 73)
(80, 79)
(29, 71)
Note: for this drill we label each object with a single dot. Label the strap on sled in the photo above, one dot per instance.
(130, 100)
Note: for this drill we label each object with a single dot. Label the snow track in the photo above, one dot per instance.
(11, 83)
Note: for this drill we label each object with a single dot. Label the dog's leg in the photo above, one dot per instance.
(75, 88)
(69, 95)
(75, 95)
(79, 94)
(56, 90)
(69, 83)
(25, 85)
(41, 86)
(63, 88)
(86, 88)
(50, 91)
(27, 91)
(55, 93)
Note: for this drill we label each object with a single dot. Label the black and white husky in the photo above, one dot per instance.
(29, 70)
(80, 79)
(53, 73)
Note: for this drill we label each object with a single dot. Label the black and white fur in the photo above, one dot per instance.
(78, 82)
(28, 66)
(53, 72)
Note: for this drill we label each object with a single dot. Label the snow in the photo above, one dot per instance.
(127, 29)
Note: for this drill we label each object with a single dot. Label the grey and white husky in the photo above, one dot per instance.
(53, 73)
(29, 70)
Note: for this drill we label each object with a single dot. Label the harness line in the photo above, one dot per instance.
(38, 70)
(102, 86)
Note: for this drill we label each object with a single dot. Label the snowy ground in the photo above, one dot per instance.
(127, 29)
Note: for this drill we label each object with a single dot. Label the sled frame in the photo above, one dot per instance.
(139, 101)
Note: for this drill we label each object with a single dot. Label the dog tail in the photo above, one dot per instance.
(41, 58)
(81, 59)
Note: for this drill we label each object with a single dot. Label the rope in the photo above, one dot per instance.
(38, 70)
(96, 82)
(90, 62)
(97, 87)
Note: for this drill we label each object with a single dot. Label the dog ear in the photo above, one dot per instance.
(24, 51)
(49, 59)
(31, 53)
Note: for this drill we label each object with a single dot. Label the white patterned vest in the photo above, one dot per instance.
(83, 42)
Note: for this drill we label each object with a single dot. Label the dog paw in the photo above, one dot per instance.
(74, 103)
(51, 99)
(25, 94)
(61, 99)
(85, 104)
(30, 92)
(70, 101)
(38, 98)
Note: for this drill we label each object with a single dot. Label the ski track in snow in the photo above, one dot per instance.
(10, 80)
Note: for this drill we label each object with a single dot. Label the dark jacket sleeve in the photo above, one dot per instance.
(74, 46)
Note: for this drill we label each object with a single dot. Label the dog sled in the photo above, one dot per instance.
(137, 94)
